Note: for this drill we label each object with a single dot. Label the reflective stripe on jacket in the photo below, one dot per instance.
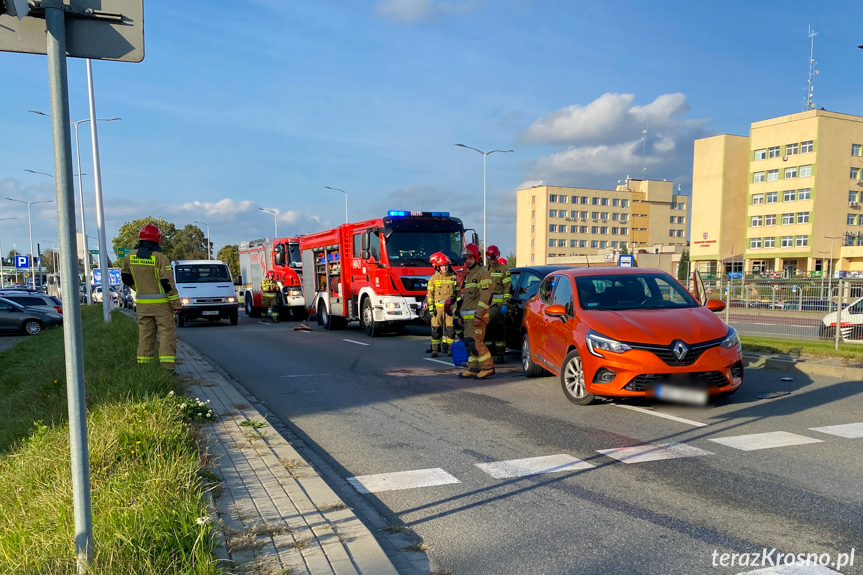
(442, 287)
(476, 291)
(148, 274)
(502, 282)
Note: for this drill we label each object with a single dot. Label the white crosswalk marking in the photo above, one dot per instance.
(642, 453)
(533, 466)
(848, 430)
(793, 570)
(757, 441)
(401, 480)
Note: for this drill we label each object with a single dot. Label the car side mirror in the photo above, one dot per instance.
(556, 310)
(715, 305)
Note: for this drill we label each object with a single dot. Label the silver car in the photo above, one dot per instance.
(33, 299)
(30, 320)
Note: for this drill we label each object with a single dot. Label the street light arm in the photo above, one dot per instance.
(471, 148)
(503, 151)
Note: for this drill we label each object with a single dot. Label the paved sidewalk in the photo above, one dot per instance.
(276, 514)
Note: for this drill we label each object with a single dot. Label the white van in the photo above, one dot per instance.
(206, 291)
(850, 322)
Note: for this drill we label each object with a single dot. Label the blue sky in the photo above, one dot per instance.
(249, 104)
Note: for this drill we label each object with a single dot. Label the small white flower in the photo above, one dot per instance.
(170, 393)
(203, 520)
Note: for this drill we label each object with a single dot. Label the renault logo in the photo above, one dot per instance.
(680, 350)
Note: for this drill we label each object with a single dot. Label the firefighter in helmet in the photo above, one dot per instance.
(148, 271)
(269, 297)
(502, 286)
(442, 295)
(475, 303)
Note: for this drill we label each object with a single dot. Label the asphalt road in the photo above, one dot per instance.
(378, 406)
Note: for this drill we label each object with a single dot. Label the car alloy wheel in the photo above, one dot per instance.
(572, 380)
(528, 366)
(33, 327)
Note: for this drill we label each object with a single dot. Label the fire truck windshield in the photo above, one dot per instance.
(412, 249)
(295, 258)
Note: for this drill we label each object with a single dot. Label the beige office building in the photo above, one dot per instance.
(781, 199)
(556, 223)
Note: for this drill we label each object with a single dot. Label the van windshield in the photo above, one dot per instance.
(201, 273)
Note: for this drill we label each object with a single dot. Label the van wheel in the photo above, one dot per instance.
(324, 317)
(181, 321)
(528, 366)
(370, 326)
(572, 380)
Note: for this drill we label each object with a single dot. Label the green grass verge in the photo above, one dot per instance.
(815, 349)
(146, 478)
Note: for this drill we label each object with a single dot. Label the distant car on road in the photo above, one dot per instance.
(850, 322)
(97, 296)
(29, 320)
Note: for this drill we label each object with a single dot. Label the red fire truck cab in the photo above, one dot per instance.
(281, 256)
(377, 271)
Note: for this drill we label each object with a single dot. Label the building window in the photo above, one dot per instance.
(801, 241)
(583, 229)
(594, 215)
(582, 243)
(806, 147)
(788, 196)
(805, 171)
(769, 242)
(616, 202)
(804, 193)
(603, 244)
(604, 201)
(855, 173)
(563, 199)
(552, 213)
(594, 243)
(756, 221)
(856, 150)
(772, 197)
(770, 220)
(681, 219)
(623, 218)
(791, 172)
(533, 199)
(802, 217)
(624, 203)
(552, 198)
(532, 243)
(615, 244)
(757, 177)
(594, 201)
(594, 229)
(573, 214)
(552, 243)
(772, 175)
(786, 241)
(572, 229)
(533, 213)
(561, 243)
(604, 216)
(787, 219)
(552, 227)
(851, 219)
(679, 233)
(860, 220)
(615, 231)
(757, 199)
(673, 219)
(681, 206)
(603, 230)
(624, 231)
(615, 217)
(671, 233)
(584, 200)
(852, 196)
(754, 243)
(791, 149)
(760, 154)
(532, 228)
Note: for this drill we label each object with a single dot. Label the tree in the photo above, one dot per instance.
(624, 251)
(190, 243)
(230, 254)
(127, 237)
(51, 261)
(510, 259)
(683, 267)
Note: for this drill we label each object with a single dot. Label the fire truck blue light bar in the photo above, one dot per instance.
(402, 213)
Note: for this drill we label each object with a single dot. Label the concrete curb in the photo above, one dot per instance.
(273, 511)
(757, 361)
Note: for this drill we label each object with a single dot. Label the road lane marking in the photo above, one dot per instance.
(642, 453)
(533, 466)
(309, 375)
(401, 480)
(356, 342)
(793, 570)
(660, 414)
(848, 430)
(757, 441)
(449, 363)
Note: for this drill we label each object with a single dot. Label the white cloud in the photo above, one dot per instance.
(223, 207)
(418, 11)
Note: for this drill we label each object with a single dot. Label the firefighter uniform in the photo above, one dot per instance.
(476, 300)
(502, 289)
(157, 300)
(269, 298)
(442, 294)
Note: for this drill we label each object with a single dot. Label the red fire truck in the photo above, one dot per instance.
(376, 271)
(281, 256)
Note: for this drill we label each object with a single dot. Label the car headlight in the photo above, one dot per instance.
(393, 305)
(185, 301)
(232, 299)
(596, 343)
(731, 339)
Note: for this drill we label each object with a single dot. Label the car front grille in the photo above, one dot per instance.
(647, 381)
(666, 352)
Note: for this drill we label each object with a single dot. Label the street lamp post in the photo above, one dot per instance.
(275, 213)
(2, 284)
(208, 236)
(484, 156)
(53, 255)
(830, 277)
(346, 200)
(30, 226)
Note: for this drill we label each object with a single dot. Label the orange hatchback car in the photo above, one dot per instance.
(629, 332)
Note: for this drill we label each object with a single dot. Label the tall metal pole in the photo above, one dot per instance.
(275, 213)
(208, 236)
(346, 200)
(484, 210)
(830, 278)
(87, 283)
(72, 332)
(100, 210)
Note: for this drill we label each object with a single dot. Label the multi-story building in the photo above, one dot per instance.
(555, 222)
(785, 199)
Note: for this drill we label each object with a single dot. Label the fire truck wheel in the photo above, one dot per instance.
(324, 318)
(370, 326)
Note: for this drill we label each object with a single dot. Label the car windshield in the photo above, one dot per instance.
(201, 273)
(628, 291)
(412, 249)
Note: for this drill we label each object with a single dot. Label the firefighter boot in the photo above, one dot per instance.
(486, 373)
(469, 374)
(275, 318)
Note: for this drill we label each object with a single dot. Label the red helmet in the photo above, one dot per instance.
(492, 253)
(438, 259)
(271, 275)
(472, 250)
(150, 233)
(502, 261)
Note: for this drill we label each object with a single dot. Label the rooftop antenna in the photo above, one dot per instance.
(810, 89)
(587, 257)
(643, 153)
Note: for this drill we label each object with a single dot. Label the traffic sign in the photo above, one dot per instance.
(22, 262)
(625, 260)
(123, 252)
(94, 252)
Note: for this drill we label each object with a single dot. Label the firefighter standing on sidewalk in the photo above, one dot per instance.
(148, 271)
(442, 294)
(269, 297)
(502, 287)
(476, 300)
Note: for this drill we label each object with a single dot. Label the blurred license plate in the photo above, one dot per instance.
(681, 394)
(209, 313)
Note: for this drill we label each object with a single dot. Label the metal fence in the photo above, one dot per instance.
(797, 308)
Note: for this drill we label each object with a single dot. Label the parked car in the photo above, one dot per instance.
(29, 320)
(97, 296)
(525, 283)
(33, 299)
(629, 332)
(850, 322)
